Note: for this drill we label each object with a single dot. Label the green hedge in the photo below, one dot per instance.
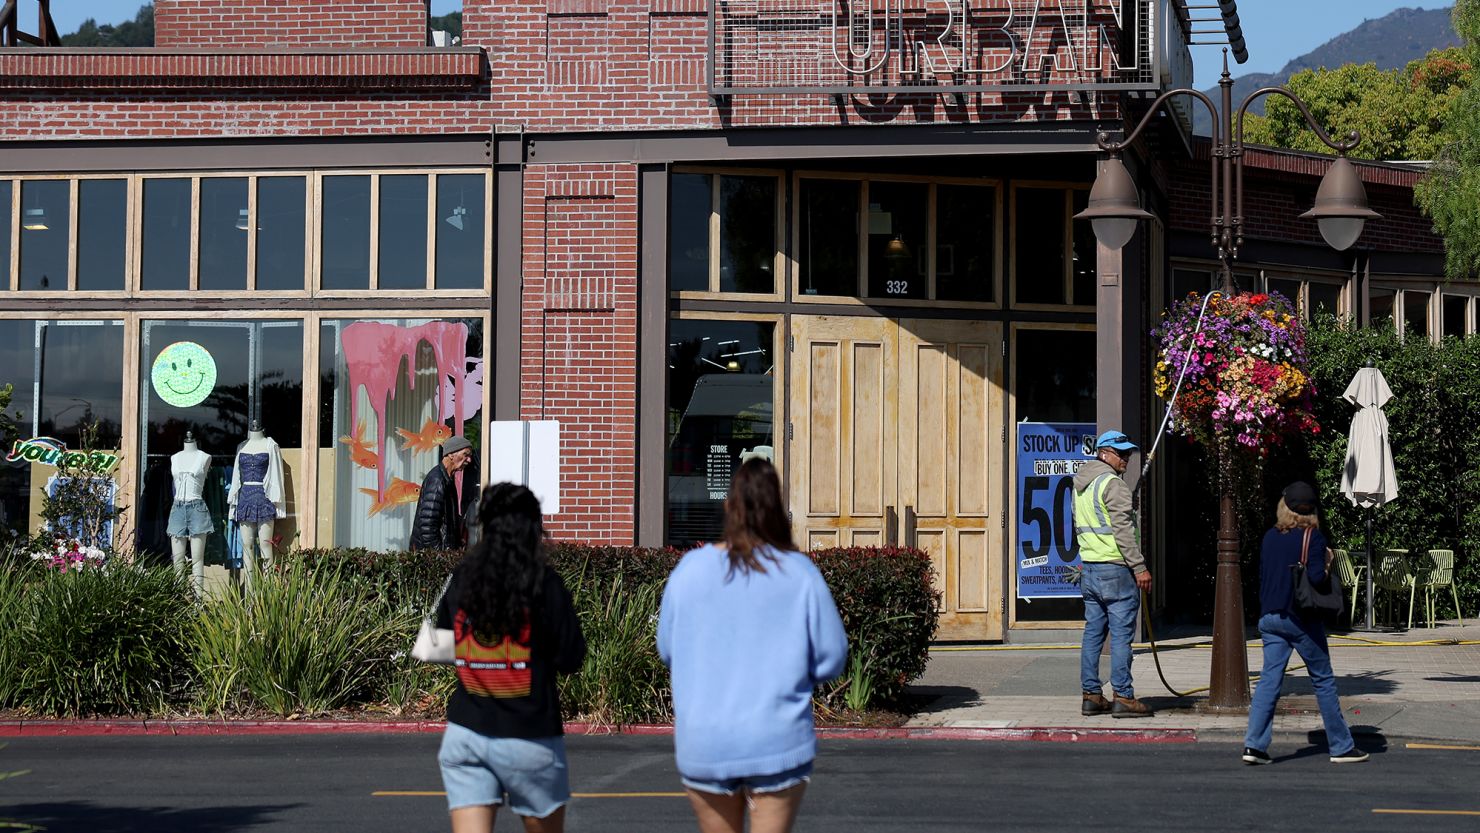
(329, 630)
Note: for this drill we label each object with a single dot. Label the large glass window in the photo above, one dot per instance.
(461, 226)
(720, 412)
(166, 235)
(402, 258)
(344, 255)
(965, 242)
(6, 229)
(827, 248)
(747, 234)
(102, 234)
(1054, 380)
(898, 219)
(392, 392)
(65, 376)
(1039, 246)
(1324, 298)
(1456, 315)
(1187, 281)
(1085, 255)
(1416, 312)
(210, 379)
(281, 235)
(223, 233)
(46, 222)
(1380, 306)
(691, 204)
(1288, 288)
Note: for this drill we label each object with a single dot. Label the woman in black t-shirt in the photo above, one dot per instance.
(515, 629)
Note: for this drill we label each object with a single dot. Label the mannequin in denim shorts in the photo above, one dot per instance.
(190, 521)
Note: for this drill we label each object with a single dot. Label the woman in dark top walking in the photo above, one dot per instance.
(515, 629)
(1283, 629)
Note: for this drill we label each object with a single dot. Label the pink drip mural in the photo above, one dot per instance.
(374, 353)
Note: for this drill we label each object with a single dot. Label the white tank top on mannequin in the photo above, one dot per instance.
(188, 467)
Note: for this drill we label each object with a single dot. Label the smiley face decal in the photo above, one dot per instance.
(184, 374)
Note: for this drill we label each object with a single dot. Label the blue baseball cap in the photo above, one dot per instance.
(1116, 440)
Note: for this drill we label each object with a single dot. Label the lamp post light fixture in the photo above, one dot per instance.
(1340, 212)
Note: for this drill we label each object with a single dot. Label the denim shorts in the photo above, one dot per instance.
(189, 519)
(753, 783)
(479, 771)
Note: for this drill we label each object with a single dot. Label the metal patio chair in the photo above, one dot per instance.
(1350, 573)
(1391, 574)
(1432, 577)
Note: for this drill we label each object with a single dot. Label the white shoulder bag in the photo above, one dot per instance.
(433, 644)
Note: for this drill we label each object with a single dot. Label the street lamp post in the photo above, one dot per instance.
(1340, 212)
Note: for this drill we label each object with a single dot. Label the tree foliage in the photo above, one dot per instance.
(136, 32)
(1450, 193)
(1400, 113)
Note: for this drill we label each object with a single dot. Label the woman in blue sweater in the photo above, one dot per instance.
(1283, 628)
(748, 629)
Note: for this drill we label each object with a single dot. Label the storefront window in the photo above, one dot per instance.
(1456, 314)
(392, 392)
(898, 216)
(721, 383)
(1416, 312)
(210, 379)
(166, 243)
(965, 242)
(1288, 288)
(747, 234)
(1039, 246)
(345, 244)
(281, 220)
(1187, 281)
(1380, 309)
(65, 376)
(827, 250)
(1054, 376)
(102, 232)
(223, 233)
(46, 222)
(690, 207)
(6, 228)
(461, 226)
(402, 258)
(1325, 298)
(1086, 255)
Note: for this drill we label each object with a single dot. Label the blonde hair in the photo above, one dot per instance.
(1286, 519)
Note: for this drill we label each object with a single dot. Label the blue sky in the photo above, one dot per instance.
(1276, 30)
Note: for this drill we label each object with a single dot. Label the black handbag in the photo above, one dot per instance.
(1311, 599)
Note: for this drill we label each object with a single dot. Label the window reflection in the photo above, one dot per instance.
(102, 234)
(1324, 297)
(46, 221)
(1456, 315)
(1416, 312)
(6, 227)
(402, 258)
(223, 233)
(1086, 255)
(258, 374)
(345, 251)
(1039, 246)
(166, 235)
(1380, 307)
(965, 238)
(281, 235)
(747, 233)
(898, 214)
(689, 210)
(720, 411)
(65, 376)
(827, 251)
(461, 226)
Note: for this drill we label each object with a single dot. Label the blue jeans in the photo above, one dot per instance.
(1281, 634)
(1111, 602)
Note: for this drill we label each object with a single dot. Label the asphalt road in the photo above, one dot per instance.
(329, 783)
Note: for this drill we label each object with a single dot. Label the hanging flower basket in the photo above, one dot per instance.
(1246, 371)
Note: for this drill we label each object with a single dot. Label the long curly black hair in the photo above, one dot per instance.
(502, 576)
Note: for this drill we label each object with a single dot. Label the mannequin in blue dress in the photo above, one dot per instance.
(256, 498)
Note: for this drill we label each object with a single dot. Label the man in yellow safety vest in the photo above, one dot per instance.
(1114, 575)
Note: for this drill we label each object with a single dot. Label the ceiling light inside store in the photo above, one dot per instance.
(897, 250)
(455, 219)
(34, 219)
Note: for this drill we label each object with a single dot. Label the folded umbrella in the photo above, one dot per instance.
(1368, 479)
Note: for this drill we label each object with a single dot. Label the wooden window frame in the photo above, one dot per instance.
(1068, 243)
(1472, 309)
(13, 290)
(862, 298)
(779, 261)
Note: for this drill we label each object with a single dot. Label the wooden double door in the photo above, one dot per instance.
(897, 438)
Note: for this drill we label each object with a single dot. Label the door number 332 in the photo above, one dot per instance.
(897, 287)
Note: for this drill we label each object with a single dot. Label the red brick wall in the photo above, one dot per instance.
(580, 339)
(293, 23)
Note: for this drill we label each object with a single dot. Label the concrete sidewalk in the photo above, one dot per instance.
(1408, 690)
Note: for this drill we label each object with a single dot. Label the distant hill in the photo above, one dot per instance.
(136, 32)
(1390, 42)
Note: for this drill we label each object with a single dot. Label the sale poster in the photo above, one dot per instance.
(1047, 553)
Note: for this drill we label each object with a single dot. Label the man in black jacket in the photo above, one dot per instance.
(437, 522)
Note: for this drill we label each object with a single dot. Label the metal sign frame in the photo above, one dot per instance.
(1146, 28)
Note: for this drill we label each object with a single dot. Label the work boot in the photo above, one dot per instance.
(1130, 707)
(1094, 703)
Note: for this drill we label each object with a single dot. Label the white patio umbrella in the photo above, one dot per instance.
(1369, 480)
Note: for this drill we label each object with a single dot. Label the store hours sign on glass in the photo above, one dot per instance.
(1048, 455)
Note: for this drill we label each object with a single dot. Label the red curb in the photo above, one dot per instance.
(91, 728)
